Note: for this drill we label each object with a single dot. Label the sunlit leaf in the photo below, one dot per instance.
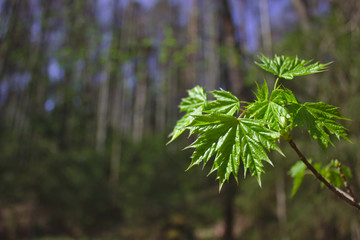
(320, 121)
(193, 105)
(225, 103)
(262, 93)
(288, 67)
(228, 139)
(197, 98)
(183, 122)
(273, 110)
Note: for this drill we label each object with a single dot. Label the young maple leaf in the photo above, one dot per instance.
(196, 103)
(320, 121)
(297, 172)
(225, 103)
(271, 109)
(230, 139)
(288, 67)
(192, 105)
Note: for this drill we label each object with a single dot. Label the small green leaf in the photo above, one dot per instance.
(346, 171)
(193, 105)
(283, 97)
(329, 172)
(332, 174)
(320, 120)
(288, 67)
(297, 172)
(254, 137)
(262, 92)
(272, 110)
(225, 103)
(196, 99)
(181, 124)
(217, 137)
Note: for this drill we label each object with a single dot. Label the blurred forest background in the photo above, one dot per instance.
(89, 92)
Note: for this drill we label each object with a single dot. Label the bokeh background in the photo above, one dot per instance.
(89, 91)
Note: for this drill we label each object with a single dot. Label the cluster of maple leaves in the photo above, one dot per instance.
(238, 135)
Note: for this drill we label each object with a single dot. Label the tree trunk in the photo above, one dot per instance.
(232, 49)
(160, 104)
(229, 209)
(211, 45)
(302, 13)
(265, 27)
(281, 203)
(102, 110)
(193, 45)
(139, 107)
(116, 113)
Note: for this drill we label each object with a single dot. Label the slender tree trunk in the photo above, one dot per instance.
(160, 105)
(355, 230)
(116, 147)
(302, 13)
(281, 203)
(63, 135)
(116, 111)
(211, 45)
(102, 110)
(193, 46)
(229, 210)
(265, 27)
(126, 100)
(233, 50)
(139, 108)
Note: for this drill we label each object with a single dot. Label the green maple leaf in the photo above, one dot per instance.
(283, 97)
(197, 98)
(225, 103)
(192, 105)
(288, 67)
(297, 172)
(262, 93)
(229, 139)
(320, 120)
(330, 172)
(196, 103)
(271, 109)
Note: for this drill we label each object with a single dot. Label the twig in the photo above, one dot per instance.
(341, 194)
(346, 183)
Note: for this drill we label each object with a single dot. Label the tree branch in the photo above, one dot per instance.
(341, 194)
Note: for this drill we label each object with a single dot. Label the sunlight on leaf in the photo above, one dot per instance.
(320, 121)
(225, 103)
(228, 139)
(288, 67)
(193, 105)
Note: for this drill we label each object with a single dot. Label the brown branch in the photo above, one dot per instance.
(341, 194)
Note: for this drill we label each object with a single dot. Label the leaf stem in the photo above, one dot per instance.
(242, 114)
(341, 194)
(276, 82)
